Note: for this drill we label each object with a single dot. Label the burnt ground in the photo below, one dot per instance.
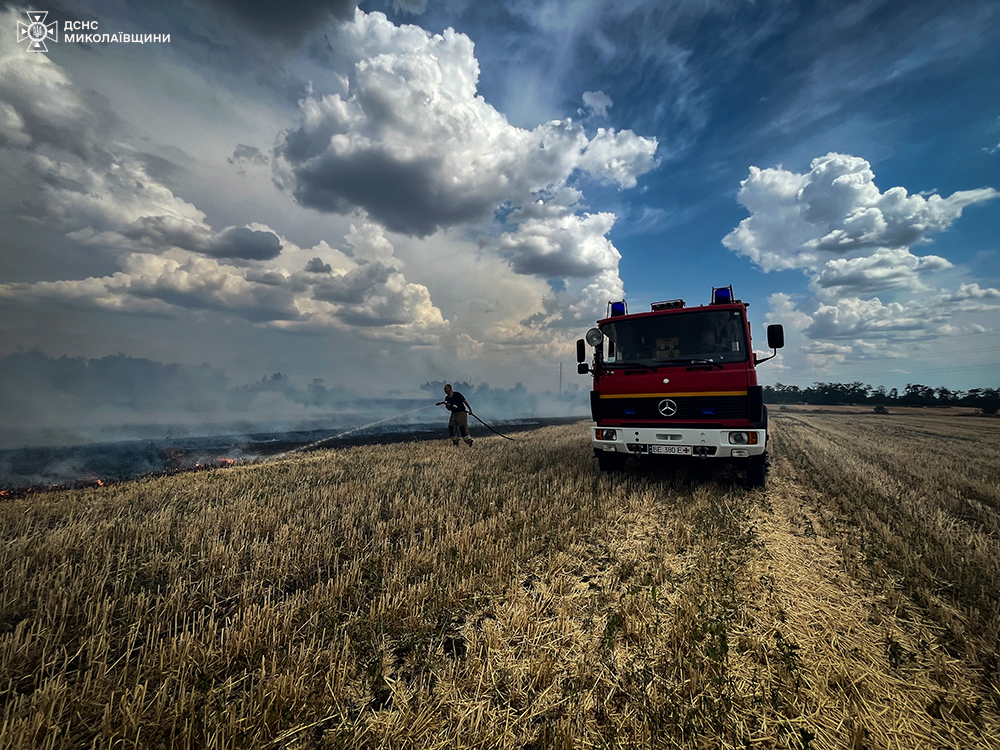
(25, 471)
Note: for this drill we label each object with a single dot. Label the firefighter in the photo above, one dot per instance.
(456, 403)
(709, 344)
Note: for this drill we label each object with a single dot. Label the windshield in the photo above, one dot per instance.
(716, 336)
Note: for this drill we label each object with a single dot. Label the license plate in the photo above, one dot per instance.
(671, 450)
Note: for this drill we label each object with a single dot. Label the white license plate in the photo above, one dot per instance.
(672, 450)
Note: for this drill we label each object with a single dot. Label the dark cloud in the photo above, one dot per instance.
(355, 286)
(246, 244)
(43, 106)
(234, 242)
(247, 156)
(399, 194)
(316, 265)
(268, 278)
(288, 21)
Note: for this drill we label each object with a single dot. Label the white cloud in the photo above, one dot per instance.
(887, 328)
(413, 144)
(567, 246)
(836, 212)
(872, 296)
(852, 317)
(784, 312)
(974, 292)
(886, 268)
(373, 299)
(597, 103)
(369, 243)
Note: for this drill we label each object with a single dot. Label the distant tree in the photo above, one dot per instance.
(880, 409)
(990, 401)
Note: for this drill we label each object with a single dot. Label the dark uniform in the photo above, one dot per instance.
(459, 421)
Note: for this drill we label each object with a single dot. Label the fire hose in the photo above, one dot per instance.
(505, 437)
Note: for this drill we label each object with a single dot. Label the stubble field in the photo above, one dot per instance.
(509, 595)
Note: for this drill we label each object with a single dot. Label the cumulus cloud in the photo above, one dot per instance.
(368, 243)
(882, 325)
(835, 223)
(886, 268)
(367, 295)
(571, 245)
(411, 142)
(102, 193)
(871, 295)
(784, 311)
(573, 306)
(853, 317)
(403, 143)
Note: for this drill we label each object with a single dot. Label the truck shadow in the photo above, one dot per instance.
(683, 473)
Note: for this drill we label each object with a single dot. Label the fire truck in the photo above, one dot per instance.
(678, 381)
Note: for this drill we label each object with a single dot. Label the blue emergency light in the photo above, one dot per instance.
(618, 308)
(722, 295)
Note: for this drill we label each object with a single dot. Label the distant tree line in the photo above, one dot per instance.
(915, 394)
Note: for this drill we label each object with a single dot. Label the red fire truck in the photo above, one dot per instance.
(679, 381)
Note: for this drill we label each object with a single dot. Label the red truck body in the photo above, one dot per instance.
(679, 381)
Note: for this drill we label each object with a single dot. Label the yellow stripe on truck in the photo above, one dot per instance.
(672, 395)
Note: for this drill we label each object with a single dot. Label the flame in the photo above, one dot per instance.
(100, 483)
(226, 461)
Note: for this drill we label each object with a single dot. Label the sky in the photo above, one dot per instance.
(385, 193)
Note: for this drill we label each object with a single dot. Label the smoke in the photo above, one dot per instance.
(75, 421)
(69, 401)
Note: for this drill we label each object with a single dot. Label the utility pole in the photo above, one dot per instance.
(560, 378)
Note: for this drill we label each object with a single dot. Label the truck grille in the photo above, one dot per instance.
(688, 408)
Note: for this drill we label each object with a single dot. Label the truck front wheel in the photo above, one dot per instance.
(608, 461)
(757, 471)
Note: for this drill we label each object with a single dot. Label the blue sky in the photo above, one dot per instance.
(393, 192)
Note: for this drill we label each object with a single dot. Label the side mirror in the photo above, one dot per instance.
(582, 368)
(775, 337)
(581, 350)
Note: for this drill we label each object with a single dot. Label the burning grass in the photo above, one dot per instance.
(510, 596)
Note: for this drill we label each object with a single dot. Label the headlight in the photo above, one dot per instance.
(594, 336)
(607, 435)
(738, 438)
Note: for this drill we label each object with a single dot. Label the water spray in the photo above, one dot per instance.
(348, 432)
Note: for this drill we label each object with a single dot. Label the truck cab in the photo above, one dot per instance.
(678, 381)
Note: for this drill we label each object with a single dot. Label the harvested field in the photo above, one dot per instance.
(509, 595)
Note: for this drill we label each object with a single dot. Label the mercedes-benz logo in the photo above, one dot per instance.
(667, 407)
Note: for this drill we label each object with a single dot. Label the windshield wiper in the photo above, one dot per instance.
(703, 362)
(679, 362)
(624, 365)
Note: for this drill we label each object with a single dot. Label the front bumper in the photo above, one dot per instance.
(687, 442)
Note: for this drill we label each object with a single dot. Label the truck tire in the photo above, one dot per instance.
(610, 462)
(757, 471)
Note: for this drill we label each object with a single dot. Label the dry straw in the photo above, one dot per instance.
(511, 596)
